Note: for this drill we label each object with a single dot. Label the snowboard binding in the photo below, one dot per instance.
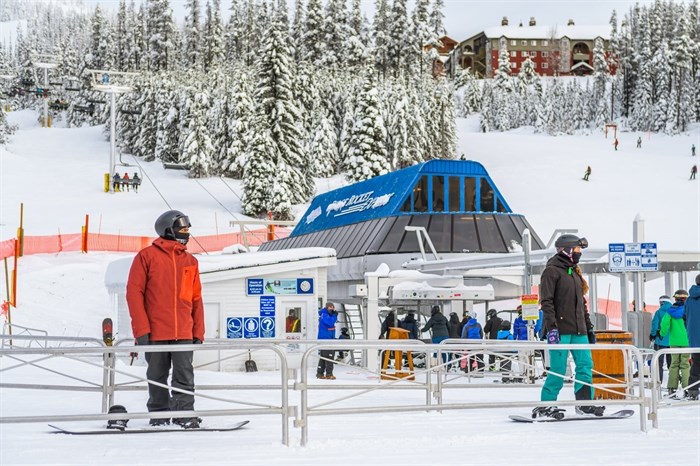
(119, 424)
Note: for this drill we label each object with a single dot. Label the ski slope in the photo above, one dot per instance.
(57, 174)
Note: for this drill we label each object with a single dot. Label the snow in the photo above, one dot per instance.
(57, 174)
(545, 32)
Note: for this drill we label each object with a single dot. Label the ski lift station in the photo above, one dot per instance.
(439, 232)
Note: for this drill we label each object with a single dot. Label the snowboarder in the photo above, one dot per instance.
(164, 295)
(587, 174)
(566, 320)
(693, 172)
(639, 142)
(616, 143)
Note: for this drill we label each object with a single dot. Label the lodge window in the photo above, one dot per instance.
(545, 43)
(524, 53)
(523, 43)
(513, 53)
(469, 194)
(420, 195)
(533, 43)
(545, 54)
(513, 43)
(512, 65)
(545, 65)
(486, 196)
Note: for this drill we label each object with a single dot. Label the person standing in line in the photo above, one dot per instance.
(639, 142)
(505, 362)
(463, 322)
(692, 323)
(491, 329)
(164, 295)
(327, 317)
(453, 329)
(409, 323)
(693, 172)
(673, 325)
(587, 174)
(473, 331)
(389, 321)
(438, 324)
(566, 320)
(657, 340)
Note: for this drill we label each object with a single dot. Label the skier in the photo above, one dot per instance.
(164, 295)
(639, 142)
(137, 181)
(566, 320)
(587, 174)
(116, 182)
(693, 172)
(616, 143)
(125, 181)
(327, 317)
(692, 150)
(673, 324)
(655, 335)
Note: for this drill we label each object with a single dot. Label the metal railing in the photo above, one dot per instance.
(657, 400)
(433, 380)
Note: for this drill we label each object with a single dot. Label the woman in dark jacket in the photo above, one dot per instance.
(566, 320)
(389, 322)
(438, 324)
(453, 325)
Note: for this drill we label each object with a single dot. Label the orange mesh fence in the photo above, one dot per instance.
(124, 243)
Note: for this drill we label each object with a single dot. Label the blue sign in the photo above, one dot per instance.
(255, 286)
(234, 327)
(633, 257)
(267, 327)
(251, 327)
(305, 286)
(267, 306)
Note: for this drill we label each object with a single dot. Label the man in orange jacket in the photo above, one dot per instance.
(164, 295)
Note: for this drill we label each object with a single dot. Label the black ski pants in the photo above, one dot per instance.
(159, 399)
(661, 361)
(325, 364)
(694, 372)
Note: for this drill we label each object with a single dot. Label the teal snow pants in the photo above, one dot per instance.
(557, 365)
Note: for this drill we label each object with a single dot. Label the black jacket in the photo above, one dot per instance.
(438, 323)
(409, 323)
(453, 326)
(493, 325)
(561, 297)
(390, 321)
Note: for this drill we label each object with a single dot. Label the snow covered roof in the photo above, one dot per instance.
(546, 32)
(210, 266)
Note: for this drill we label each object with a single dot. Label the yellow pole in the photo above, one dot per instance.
(20, 230)
(106, 182)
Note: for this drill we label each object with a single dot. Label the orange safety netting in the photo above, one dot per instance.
(123, 243)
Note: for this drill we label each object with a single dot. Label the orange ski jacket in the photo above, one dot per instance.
(164, 293)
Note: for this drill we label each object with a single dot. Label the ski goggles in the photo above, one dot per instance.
(181, 222)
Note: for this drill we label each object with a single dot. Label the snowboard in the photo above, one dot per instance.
(145, 430)
(623, 414)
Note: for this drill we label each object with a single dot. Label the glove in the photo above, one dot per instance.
(143, 339)
(652, 338)
(553, 336)
(196, 341)
(591, 338)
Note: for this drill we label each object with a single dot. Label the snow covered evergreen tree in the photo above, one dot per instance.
(313, 41)
(198, 149)
(161, 34)
(259, 173)
(398, 37)
(323, 147)
(192, 36)
(367, 141)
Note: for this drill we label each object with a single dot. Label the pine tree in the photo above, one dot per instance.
(259, 174)
(323, 147)
(421, 36)
(313, 43)
(161, 34)
(380, 33)
(367, 142)
(192, 35)
(198, 150)
(336, 32)
(398, 36)
(276, 105)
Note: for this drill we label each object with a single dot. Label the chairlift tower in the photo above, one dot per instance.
(103, 81)
(45, 62)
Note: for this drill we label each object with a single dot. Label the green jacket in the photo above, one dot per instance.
(673, 325)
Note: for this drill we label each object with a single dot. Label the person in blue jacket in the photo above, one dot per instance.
(520, 326)
(660, 342)
(473, 331)
(692, 323)
(327, 317)
(505, 363)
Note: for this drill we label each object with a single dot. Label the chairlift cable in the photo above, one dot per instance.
(231, 189)
(145, 174)
(213, 197)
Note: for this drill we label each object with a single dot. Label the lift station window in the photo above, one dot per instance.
(487, 196)
(438, 192)
(469, 194)
(454, 191)
(420, 195)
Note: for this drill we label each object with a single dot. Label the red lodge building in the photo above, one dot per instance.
(555, 50)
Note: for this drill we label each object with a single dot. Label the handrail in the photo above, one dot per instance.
(655, 385)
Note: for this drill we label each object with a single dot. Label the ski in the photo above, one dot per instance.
(623, 414)
(146, 430)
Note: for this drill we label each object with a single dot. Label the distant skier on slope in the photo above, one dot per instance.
(616, 143)
(587, 174)
(639, 142)
(693, 172)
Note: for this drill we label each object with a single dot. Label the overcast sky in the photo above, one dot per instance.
(464, 18)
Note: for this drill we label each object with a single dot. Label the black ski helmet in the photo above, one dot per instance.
(505, 325)
(680, 295)
(171, 221)
(491, 313)
(570, 241)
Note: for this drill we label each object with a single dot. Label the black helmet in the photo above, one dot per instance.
(680, 295)
(570, 241)
(491, 313)
(170, 222)
(505, 325)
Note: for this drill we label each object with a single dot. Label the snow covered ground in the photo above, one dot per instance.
(57, 173)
